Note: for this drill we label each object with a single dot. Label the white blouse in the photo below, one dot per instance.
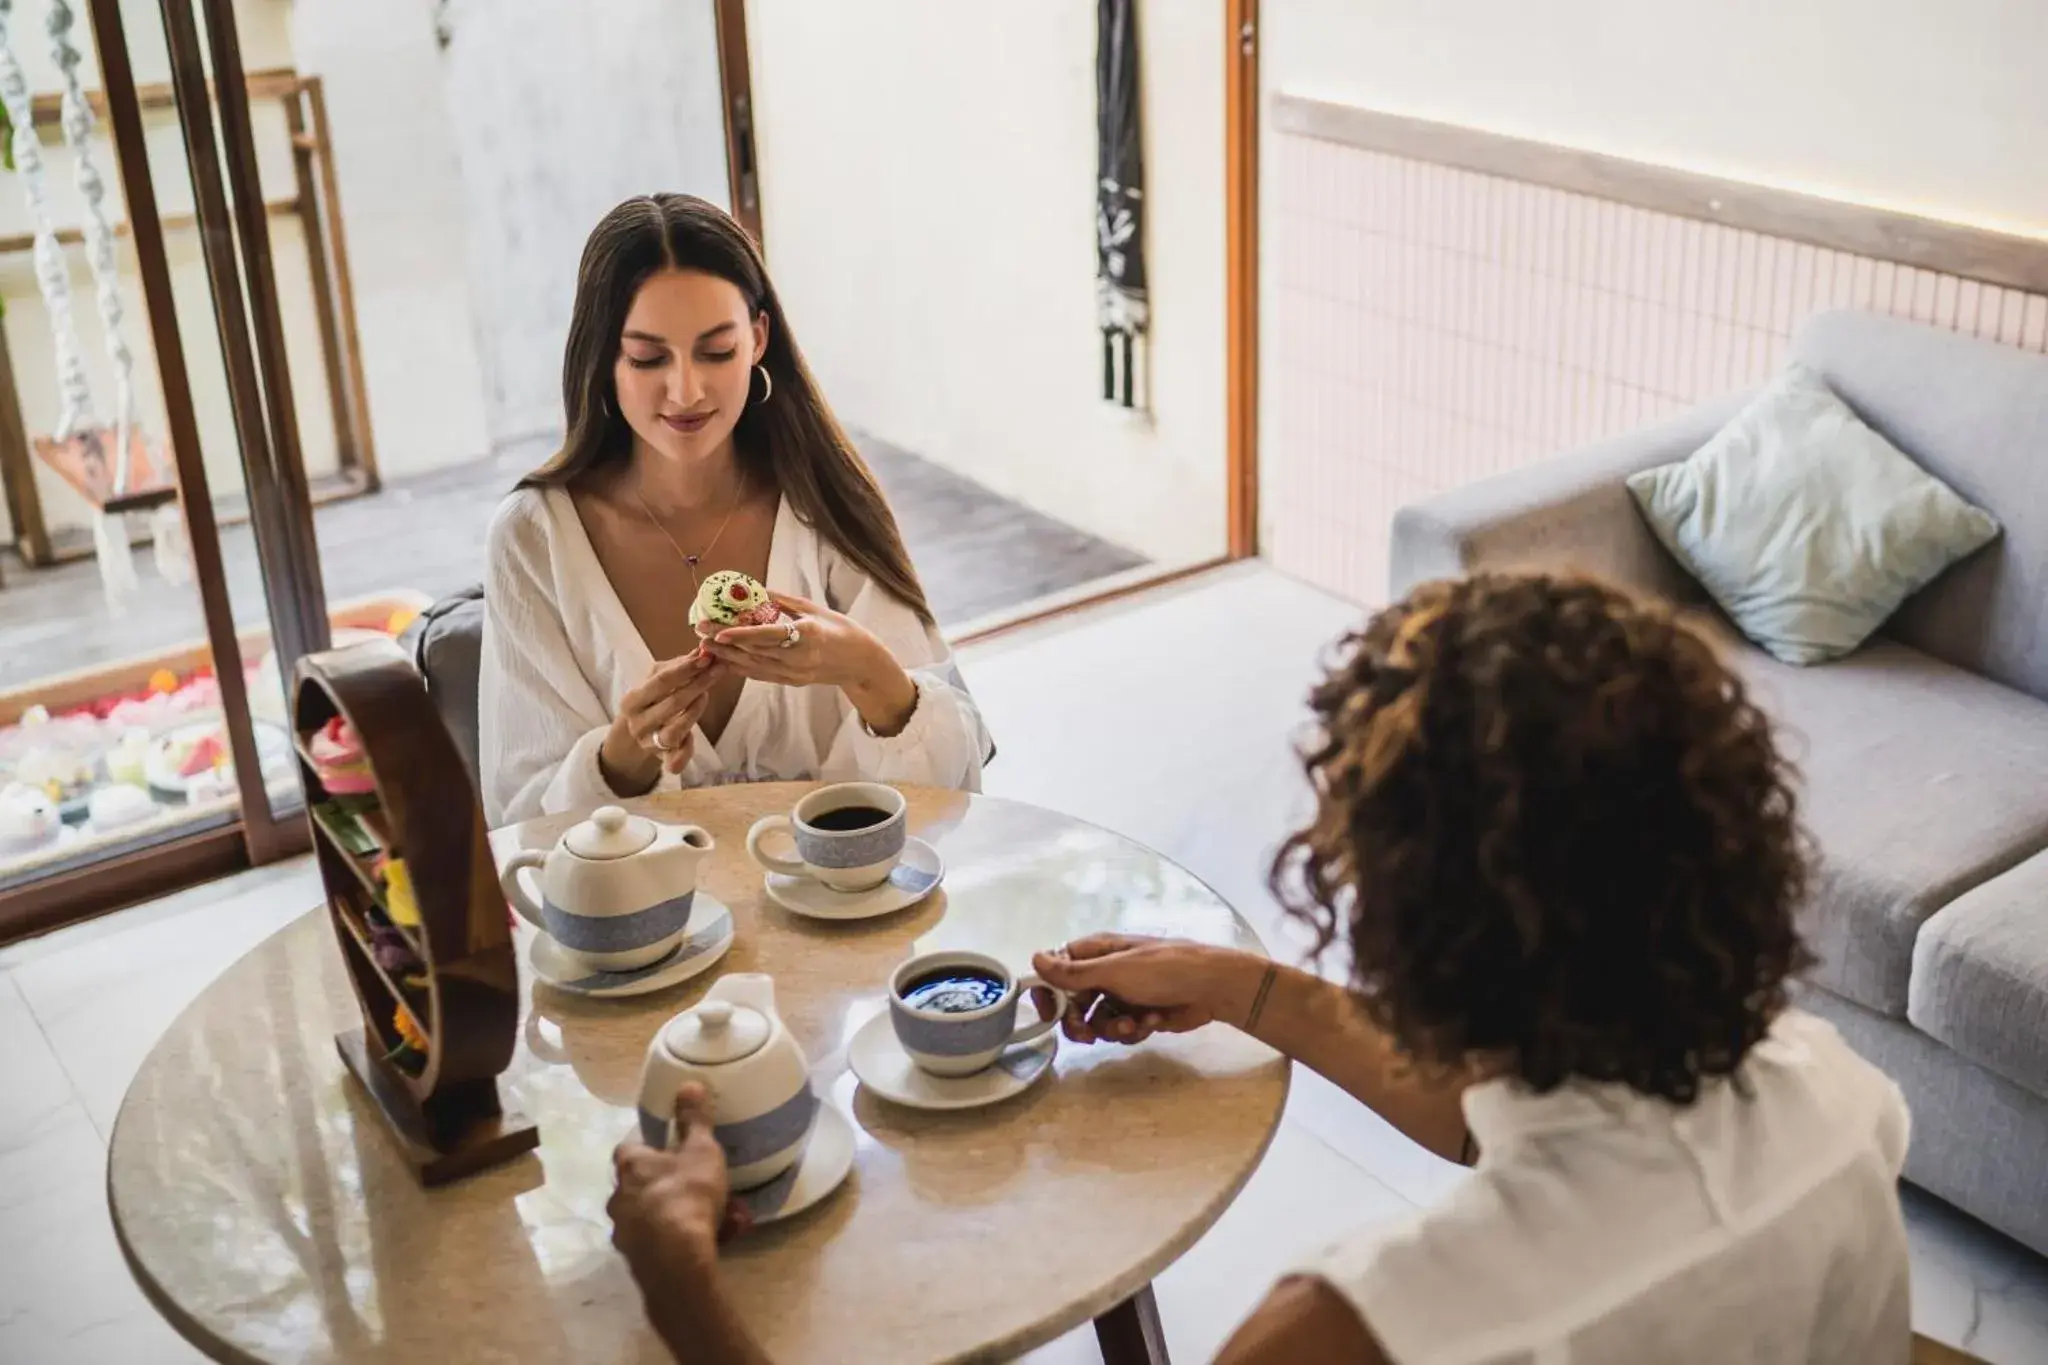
(1601, 1227)
(559, 652)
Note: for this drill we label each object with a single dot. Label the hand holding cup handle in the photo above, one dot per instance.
(1037, 989)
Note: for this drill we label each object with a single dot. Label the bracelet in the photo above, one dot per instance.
(1259, 1001)
(916, 700)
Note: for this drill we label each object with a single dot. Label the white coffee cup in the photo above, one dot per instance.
(848, 836)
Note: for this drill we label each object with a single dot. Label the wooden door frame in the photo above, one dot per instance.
(736, 89)
(1241, 270)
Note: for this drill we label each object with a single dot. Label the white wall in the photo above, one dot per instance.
(403, 212)
(927, 173)
(557, 116)
(1932, 106)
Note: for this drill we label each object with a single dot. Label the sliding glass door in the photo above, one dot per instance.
(339, 249)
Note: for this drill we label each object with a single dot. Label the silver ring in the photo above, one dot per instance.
(659, 747)
(792, 634)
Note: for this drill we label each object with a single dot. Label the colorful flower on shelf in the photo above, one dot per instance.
(399, 899)
(408, 1029)
(390, 948)
(163, 682)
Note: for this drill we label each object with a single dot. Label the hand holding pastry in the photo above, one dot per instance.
(656, 727)
(810, 645)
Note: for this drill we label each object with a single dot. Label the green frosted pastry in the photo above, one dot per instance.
(731, 598)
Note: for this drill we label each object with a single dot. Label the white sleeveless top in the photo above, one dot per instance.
(1604, 1228)
(559, 652)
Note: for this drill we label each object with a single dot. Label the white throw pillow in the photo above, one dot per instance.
(1809, 528)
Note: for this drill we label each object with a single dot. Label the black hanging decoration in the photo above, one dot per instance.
(1121, 304)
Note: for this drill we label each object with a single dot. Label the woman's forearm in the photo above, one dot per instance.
(1317, 1023)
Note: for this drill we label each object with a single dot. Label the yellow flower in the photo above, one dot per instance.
(408, 1029)
(396, 623)
(163, 681)
(399, 901)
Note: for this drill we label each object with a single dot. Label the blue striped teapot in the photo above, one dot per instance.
(736, 1046)
(616, 891)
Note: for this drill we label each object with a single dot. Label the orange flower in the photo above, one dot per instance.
(163, 681)
(408, 1029)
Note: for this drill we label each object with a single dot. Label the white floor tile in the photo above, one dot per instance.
(1973, 1288)
(104, 999)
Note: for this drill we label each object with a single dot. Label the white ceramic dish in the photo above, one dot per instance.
(882, 1065)
(709, 939)
(918, 875)
(825, 1164)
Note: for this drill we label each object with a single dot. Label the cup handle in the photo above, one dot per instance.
(763, 827)
(1038, 1028)
(515, 888)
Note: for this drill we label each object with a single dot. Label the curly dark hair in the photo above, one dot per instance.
(1556, 833)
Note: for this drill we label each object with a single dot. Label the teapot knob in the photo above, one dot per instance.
(716, 1015)
(610, 819)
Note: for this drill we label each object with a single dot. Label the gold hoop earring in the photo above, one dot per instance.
(767, 383)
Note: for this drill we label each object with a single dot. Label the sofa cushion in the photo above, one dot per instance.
(1805, 525)
(1980, 975)
(1921, 782)
(1974, 414)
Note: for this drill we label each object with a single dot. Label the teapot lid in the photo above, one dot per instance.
(609, 833)
(715, 1032)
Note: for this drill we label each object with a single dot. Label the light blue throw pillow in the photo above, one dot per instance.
(1809, 528)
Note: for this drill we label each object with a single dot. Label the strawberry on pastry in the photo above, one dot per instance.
(730, 598)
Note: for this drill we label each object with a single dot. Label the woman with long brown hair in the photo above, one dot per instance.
(699, 442)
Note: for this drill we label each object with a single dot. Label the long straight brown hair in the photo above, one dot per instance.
(791, 442)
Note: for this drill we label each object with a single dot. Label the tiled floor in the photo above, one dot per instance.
(1155, 718)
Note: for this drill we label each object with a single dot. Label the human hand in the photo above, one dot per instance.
(831, 648)
(657, 721)
(672, 1208)
(1123, 989)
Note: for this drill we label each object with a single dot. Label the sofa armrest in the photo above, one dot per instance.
(1572, 512)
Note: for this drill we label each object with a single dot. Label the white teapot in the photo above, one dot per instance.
(737, 1047)
(616, 891)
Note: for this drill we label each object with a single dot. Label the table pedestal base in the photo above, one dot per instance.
(1130, 1334)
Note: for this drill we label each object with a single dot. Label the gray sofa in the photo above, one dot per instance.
(1924, 754)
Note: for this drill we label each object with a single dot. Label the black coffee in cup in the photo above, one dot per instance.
(954, 990)
(848, 818)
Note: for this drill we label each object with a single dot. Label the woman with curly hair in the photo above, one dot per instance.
(1558, 848)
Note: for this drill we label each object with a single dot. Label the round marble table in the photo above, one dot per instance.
(267, 1213)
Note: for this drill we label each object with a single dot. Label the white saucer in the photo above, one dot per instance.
(916, 876)
(709, 937)
(885, 1068)
(824, 1166)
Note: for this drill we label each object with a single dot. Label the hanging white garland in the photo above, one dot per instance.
(52, 274)
(99, 233)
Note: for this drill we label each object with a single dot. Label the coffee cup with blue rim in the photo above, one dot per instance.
(956, 1012)
(848, 836)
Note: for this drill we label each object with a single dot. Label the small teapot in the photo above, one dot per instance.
(616, 891)
(737, 1047)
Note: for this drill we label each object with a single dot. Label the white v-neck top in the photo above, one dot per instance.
(559, 652)
(1600, 1227)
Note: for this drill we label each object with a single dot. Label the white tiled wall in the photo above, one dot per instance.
(1432, 326)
